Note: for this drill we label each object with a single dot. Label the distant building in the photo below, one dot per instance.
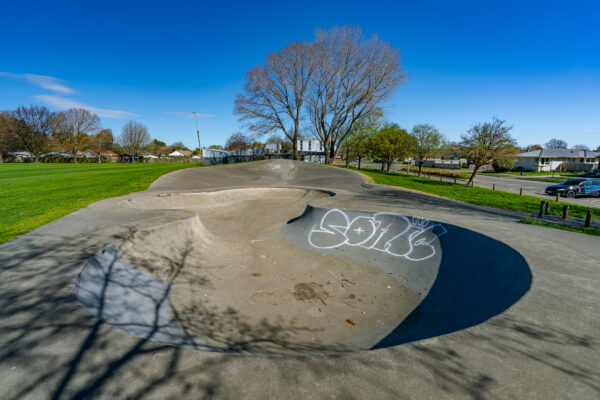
(311, 150)
(557, 159)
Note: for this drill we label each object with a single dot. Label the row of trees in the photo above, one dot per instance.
(38, 130)
(325, 87)
(483, 143)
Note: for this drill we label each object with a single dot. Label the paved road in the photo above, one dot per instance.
(513, 185)
(545, 346)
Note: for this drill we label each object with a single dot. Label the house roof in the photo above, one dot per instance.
(560, 153)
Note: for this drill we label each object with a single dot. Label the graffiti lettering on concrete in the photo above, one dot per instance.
(390, 233)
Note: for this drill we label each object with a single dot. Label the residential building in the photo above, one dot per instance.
(557, 159)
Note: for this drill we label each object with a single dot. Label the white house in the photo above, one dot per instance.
(310, 144)
(558, 159)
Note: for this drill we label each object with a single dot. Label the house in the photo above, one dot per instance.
(557, 159)
(88, 153)
(311, 150)
(180, 153)
(108, 153)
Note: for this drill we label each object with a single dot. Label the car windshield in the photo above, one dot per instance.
(572, 182)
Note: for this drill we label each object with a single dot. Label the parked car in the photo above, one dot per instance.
(576, 187)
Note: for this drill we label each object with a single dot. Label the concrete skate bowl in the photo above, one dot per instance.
(260, 271)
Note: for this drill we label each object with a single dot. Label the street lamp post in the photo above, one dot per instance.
(197, 132)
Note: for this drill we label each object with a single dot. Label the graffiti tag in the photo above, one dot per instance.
(389, 233)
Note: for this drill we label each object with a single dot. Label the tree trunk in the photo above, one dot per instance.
(389, 164)
(347, 158)
(472, 178)
(382, 164)
(420, 167)
(359, 158)
(295, 149)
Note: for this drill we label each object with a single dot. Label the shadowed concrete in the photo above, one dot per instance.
(472, 336)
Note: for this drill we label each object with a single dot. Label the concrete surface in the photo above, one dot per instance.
(544, 346)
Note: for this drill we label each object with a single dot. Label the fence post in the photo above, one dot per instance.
(521, 192)
(541, 212)
(588, 218)
(455, 181)
(547, 210)
(494, 187)
(565, 211)
(557, 196)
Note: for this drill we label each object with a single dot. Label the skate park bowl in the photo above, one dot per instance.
(262, 271)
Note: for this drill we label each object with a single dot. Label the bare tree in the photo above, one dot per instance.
(274, 94)
(428, 142)
(134, 137)
(102, 140)
(352, 78)
(556, 144)
(581, 147)
(487, 142)
(9, 139)
(72, 130)
(36, 130)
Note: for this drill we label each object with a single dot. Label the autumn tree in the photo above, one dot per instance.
(9, 139)
(274, 93)
(556, 144)
(36, 130)
(391, 142)
(352, 78)
(428, 142)
(487, 142)
(72, 130)
(237, 141)
(134, 137)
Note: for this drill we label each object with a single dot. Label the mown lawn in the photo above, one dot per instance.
(32, 195)
(473, 195)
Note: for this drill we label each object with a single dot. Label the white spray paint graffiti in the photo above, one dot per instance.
(390, 233)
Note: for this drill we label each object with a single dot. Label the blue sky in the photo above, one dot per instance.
(534, 64)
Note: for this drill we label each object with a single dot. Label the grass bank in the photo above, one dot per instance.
(534, 173)
(578, 229)
(473, 195)
(32, 195)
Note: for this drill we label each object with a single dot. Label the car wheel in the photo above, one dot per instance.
(571, 194)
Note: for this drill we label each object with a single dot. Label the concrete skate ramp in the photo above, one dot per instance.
(261, 271)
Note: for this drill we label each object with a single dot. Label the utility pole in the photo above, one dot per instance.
(197, 131)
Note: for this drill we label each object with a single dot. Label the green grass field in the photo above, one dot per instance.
(473, 195)
(32, 195)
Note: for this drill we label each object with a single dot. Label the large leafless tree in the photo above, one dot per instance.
(36, 128)
(134, 137)
(351, 79)
(274, 93)
(72, 130)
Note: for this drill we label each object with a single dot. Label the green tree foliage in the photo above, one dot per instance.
(358, 143)
(428, 143)
(391, 142)
(487, 142)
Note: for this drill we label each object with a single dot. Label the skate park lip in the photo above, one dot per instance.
(431, 278)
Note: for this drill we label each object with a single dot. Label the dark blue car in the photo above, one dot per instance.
(576, 187)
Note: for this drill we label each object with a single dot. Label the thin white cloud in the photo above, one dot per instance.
(188, 114)
(63, 103)
(43, 81)
(590, 130)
